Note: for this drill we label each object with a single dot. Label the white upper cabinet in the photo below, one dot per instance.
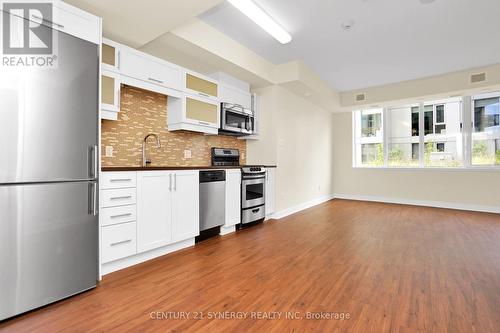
(233, 197)
(270, 191)
(154, 209)
(72, 21)
(185, 205)
(110, 55)
(144, 67)
(110, 94)
(233, 90)
(193, 113)
(233, 95)
(201, 85)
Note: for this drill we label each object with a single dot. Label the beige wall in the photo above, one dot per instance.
(441, 86)
(297, 136)
(472, 188)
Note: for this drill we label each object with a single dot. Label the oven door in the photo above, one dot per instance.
(237, 120)
(253, 192)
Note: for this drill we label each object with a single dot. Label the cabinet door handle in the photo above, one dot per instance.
(119, 59)
(120, 243)
(119, 198)
(121, 180)
(170, 182)
(203, 123)
(203, 94)
(175, 179)
(155, 80)
(120, 215)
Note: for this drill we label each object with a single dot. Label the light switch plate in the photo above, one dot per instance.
(109, 151)
(187, 153)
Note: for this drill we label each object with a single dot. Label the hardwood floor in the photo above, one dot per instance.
(391, 268)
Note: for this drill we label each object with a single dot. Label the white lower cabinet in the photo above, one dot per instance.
(118, 241)
(167, 207)
(233, 197)
(185, 205)
(154, 209)
(270, 191)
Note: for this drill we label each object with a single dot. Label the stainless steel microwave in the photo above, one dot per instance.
(236, 120)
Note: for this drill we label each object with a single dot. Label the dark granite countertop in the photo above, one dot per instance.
(156, 168)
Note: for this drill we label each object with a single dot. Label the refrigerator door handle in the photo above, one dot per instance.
(93, 199)
(93, 161)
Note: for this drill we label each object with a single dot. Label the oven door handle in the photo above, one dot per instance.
(259, 176)
(260, 180)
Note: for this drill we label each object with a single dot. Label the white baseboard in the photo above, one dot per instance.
(426, 203)
(116, 265)
(295, 209)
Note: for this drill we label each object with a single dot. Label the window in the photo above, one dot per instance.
(428, 119)
(415, 151)
(401, 140)
(369, 149)
(440, 126)
(486, 131)
(443, 144)
(371, 123)
(415, 121)
(419, 135)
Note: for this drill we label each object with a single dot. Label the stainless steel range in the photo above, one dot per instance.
(253, 184)
(253, 194)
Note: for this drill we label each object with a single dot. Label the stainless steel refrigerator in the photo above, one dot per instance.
(48, 179)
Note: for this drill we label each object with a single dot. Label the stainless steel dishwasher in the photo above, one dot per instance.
(212, 198)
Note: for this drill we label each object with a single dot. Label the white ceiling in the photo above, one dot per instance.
(136, 23)
(391, 41)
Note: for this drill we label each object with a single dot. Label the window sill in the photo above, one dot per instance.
(433, 169)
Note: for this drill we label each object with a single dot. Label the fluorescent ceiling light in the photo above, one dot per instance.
(262, 19)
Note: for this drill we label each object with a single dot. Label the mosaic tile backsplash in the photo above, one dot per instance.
(143, 112)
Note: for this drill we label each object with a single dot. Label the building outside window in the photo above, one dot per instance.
(443, 136)
(402, 136)
(368, 148)
(486, 131)
(394, 137)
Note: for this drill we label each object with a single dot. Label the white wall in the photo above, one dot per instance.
(469, 188)
(296, 135)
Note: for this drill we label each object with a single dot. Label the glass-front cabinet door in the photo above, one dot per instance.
(202, 111)
(201, 85)
(110, 95)
(110, 55)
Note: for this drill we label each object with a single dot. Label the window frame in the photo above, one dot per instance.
(466, 126)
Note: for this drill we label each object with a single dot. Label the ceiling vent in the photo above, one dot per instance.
(476, 78)
(360, 97)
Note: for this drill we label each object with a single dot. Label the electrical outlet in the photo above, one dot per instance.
(109, 151)
(187, 153)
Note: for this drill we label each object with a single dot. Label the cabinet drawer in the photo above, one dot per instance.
(120, 214)
(118, 197)
(118, 241)
(110, 180)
